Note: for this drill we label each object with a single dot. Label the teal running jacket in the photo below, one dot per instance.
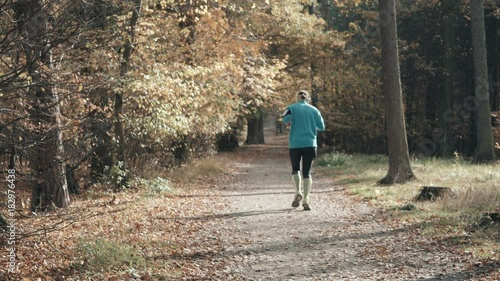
(306, 121)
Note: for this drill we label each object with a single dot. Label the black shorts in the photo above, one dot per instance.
(307, 155)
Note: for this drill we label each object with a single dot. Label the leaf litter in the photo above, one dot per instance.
(235, 226)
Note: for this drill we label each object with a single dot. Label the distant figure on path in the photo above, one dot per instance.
(306, 121)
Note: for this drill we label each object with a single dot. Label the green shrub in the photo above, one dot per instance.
(156, 185)
(101, 255)
(334, 159)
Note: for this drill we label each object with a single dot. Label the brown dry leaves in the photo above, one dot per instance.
(171, 236)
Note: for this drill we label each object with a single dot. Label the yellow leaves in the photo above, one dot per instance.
(184, 33)
(201, 10)
(351, 3)
(25, 76)
(353, 26)
(181, 100)
(167, 97)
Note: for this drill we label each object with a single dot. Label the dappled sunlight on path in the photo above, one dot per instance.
(340, 239)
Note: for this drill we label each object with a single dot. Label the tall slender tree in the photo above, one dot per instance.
(122, 180)
(399, 160)
(485, 151)
(47, 160)
(449, 11)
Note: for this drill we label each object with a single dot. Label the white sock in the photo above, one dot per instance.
(297, 182)
(307, 189)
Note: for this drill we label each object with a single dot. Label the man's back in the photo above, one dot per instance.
(306, 121)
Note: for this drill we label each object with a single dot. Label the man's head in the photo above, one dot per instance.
(302, 95)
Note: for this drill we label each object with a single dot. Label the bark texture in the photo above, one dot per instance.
(485, 151)
(49, 188)
(399, 160)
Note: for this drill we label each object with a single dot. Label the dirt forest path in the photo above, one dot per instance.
(340, 239)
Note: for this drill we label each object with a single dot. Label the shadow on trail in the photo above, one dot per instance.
(236, 215)
(310, 242)
(281, 248)
(457, 276)
(239, 194)
(487, 272)
(235, 195)
(198, 255)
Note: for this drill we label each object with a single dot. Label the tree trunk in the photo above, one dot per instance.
(496, 96)
(48, 164)
(260, 130)
(399, 160)
(120, 140)
(181, 149)
(255, 130)
(485, 152)
(326, 13)
(315, 89)
(50, 188)
(101, 159)
(13, 151)
(444, 107)
(496, 100)
(118, 106)
(227, 141)
(252, 130)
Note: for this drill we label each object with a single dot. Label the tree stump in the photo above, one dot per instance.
(430, 193)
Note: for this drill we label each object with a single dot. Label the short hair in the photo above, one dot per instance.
(303, 94)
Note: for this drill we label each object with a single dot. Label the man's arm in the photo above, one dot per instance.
(320, 122)
(287, 116)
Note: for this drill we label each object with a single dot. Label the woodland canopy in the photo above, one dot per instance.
(100, 90)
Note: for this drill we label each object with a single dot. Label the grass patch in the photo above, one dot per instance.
(181, 177)
(335, 159)
(154, 186)
(100, 255)
(407, 207)
(475, 192)
(199, 170)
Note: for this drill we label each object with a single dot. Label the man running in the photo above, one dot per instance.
(306, 121)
